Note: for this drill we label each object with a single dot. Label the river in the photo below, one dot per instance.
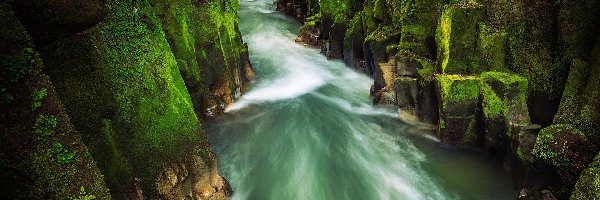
(307, 130)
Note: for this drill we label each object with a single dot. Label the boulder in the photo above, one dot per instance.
(565, 151)
(42, 155)
(504, 107)
(459, 97)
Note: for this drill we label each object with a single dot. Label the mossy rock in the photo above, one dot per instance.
(458, 108)
(456, 39)
(504, 107)
(588, 184)
(491, 48)
(580, 104)
(41, 155)
(504, 95)
(207, 38)
(419, 20)
(124, 92)
(567, 152)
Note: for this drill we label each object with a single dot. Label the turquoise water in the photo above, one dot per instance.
(307, 130)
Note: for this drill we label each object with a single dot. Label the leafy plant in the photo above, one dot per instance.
(37, 97)
(44, 125)
(64, 156)
(83, 195)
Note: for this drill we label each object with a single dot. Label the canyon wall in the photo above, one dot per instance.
(120, 88)
(511, 77)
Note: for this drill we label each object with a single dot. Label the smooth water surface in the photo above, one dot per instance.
(307, 130)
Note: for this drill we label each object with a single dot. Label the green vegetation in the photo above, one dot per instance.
(44, 125)
(37, 97)
(455, 88)
(62, 154)
(588, 184)
(514, 96)
(83, 195)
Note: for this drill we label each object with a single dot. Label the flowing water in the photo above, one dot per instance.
(307, 130)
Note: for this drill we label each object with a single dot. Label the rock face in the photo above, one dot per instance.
(135, 77)
(43, 156)
(458, 109)
(489, 74)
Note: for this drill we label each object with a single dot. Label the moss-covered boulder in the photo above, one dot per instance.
(566, 151)
(588, 184)
(207, 44)
(125, 94)
(459, 97)
(504, 107)
(42, 156)
(456, 38)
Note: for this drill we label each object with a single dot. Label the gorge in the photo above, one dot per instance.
(299, 99)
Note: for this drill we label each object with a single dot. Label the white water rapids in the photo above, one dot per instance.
(307, 130)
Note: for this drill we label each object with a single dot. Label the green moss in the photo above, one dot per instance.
(37, 97)
(544, 151)
(354, 28)
(491, 48)
(497, 105)
(443, 38)
(588, 185)
(426, 73)
(127, 75)
(493, 106)
(456, 38)
(457, 88)
(44, 125)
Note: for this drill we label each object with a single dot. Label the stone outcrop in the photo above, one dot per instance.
(136, 78)
(489, 74)
(42, 154)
